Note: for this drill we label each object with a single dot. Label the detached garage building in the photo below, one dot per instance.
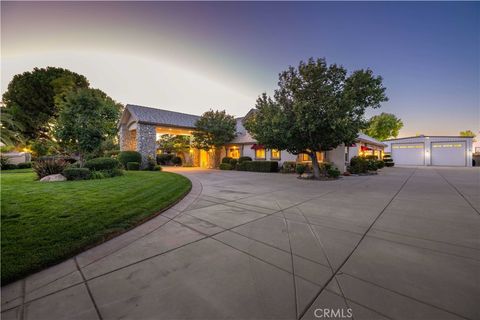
(431, 151)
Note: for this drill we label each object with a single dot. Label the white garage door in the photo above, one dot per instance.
(410, 154)
(449, 154)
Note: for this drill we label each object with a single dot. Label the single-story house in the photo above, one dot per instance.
(431, 151)
(140, 127)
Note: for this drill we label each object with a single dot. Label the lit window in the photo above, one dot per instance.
(275, 154)
(306, 157)
(260, 153)
(234, 152)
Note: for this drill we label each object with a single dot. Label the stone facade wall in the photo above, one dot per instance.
(127, 139)
(146, 142)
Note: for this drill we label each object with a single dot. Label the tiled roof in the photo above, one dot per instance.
(242, 134)
(162, 117)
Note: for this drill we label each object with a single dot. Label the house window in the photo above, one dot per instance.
(306, 157)
(260, 153)
(275, 154)
(234, 152)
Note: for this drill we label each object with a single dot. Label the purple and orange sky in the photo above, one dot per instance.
(190, 57)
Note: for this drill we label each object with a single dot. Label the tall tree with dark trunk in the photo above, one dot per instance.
(316, 108)
(214, 129)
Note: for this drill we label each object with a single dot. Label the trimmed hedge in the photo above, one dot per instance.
(24, 165)
(134, 166)
(9, 166)
(262, 166)
(242, 166)
(233, 162)
(225, 166)
(129, 156)
(104, 163)
(243, 159)
(77, 173)
(226, 159)
(157, 168)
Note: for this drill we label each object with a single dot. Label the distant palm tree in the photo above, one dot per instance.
(9, 129)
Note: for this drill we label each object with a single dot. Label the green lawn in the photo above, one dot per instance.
(45, 223)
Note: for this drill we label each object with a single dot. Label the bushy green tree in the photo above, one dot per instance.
(88, 118)
(10, 129)
(384, 126)
(468, 133)
(214, 129)
(316, 108)
(33, 99)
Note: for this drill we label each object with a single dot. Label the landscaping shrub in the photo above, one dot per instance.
(333, 173)
(242, 166)
(95, 175)
(262, 166)
(77, 173)
(300, 169)
(157, 168)
(66, 159)
(47, 167)
(134, 166)
(358, 165)
(151, 163)
(4, 161)
(164, 158)
(112, 153)
(243, 159)
(380, 164)
(226, 159)
(112, 173)
(372, 165)
(24, 165)
(104, 163)
(288, 167)
(129, 156)
(177, 161)
(225, 166)
(233, 162)
(9, 166)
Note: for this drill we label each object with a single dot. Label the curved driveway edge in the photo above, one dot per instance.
(400, 245)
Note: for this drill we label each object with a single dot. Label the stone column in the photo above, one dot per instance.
(146, 142)
(126, 138)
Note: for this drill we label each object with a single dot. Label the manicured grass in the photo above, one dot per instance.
(45, 223)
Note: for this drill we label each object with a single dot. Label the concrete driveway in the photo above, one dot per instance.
(403, 244)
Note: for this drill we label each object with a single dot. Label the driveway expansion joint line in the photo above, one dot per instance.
(358, 244)
(458, 191)
(293, 265)
(405, 296)
(317, 238)
(88, 290)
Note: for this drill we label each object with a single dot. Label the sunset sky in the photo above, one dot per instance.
(190, 57)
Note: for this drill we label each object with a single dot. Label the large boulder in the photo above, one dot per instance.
(53, 177)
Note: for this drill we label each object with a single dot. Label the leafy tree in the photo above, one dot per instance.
(173, 143)
(384, 126)
(88, 118)
(316, 108)
(33, 99)
(468, 133)
(214, 129)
